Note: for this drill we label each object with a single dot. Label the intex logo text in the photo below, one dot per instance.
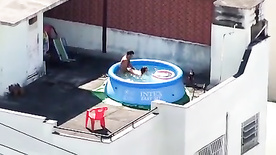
(151, 95)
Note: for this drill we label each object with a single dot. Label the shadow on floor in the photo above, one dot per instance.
(56, 95)
(103, 131)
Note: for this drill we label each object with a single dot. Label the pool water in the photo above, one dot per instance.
(146, 77)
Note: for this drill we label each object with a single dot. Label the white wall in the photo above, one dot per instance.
(35, 46)
(242, 98)
(157, 136)
(269, 12)
(83, 147)
(271, 128)
(185, 54)
(146, 139)
(162, 137)
(15, 61)
(29, 124)
(228, 46)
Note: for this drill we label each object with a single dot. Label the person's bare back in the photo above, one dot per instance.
(125, 65)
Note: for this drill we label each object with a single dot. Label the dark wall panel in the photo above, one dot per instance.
(188, 20)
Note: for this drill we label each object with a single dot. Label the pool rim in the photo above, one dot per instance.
(178, 73)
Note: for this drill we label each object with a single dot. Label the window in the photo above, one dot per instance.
(249, 133)
(216, 147)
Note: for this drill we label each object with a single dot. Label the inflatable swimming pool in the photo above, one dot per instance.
(166, 84)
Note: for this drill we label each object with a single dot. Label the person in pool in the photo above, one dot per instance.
(140, 72)
(125, 65)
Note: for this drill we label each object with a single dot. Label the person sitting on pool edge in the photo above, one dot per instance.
(125, 65)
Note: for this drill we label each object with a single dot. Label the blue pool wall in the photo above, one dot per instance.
(141, 93)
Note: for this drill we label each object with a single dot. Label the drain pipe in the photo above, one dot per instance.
(104, 27)
(226, 135)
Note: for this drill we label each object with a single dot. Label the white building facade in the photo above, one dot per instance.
(269, 15)
(229, 119)
(231, 116)
(21, 40)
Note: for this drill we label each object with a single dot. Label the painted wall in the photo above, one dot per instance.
(242, 98)
(162, 137)
(154, 137)
(271, 128)
(83, 147)
(21, 52)
(185, 54)
(13, 59)
(12, 122)
(228, 47)
(146, 139)
(269, 11)
(181, 19)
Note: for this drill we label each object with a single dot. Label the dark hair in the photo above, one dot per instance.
(130, 53)
(144, 69)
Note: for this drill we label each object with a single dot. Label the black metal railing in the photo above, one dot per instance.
(262, 30)
(133, 122)
(83, 132)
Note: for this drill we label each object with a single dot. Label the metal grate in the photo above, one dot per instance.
(249, 133)
(214, 148)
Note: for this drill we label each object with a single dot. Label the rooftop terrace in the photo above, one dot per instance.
(57, 96)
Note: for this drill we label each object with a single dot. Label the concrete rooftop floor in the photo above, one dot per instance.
(57, 95)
